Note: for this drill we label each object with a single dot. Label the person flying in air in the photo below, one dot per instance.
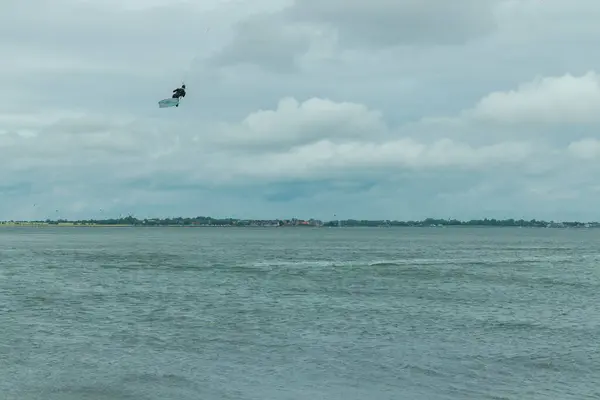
(179, 92)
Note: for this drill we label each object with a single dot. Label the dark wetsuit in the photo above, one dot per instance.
(179, 92)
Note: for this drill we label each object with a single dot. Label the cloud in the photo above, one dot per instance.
(315, 140)
(293, 123)
(586, 149)
(264, 40)
(549, 100)
(557, 109)
(397, 109)
(398, 22)
(364, 158)
(279, 40)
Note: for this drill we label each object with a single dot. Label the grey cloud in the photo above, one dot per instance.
(399, 22)
(263, 40)
(396, 132)
(98, 35)
(276, 40)
(340, 142)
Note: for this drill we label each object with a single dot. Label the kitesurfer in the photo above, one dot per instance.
(179, 92)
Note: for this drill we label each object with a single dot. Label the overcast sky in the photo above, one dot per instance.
(394, 109)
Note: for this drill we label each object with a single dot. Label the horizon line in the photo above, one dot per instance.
(207, 219)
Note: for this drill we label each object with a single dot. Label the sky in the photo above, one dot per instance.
(381, 109)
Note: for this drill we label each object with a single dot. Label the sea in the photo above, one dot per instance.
(299, 313)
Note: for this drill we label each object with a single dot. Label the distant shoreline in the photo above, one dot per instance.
(189, 223)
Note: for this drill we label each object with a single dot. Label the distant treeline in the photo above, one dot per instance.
(210, 221)
(454, 222)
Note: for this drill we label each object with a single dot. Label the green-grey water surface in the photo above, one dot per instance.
(299, 313)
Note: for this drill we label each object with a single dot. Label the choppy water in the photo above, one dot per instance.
(292, 314)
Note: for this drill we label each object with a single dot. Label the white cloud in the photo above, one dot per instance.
(294, 123)
(547, 100)
(325, 159)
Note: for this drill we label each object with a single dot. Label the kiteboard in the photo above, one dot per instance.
(168, 103)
